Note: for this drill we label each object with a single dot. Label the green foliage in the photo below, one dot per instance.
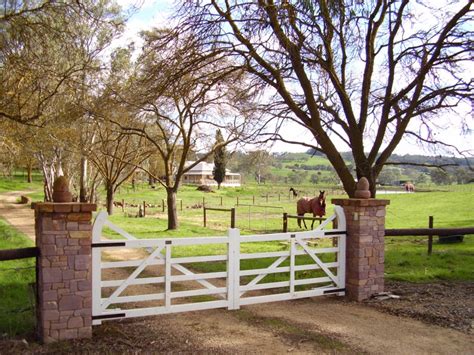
(220, 160)
(440, 177)
(389, 176)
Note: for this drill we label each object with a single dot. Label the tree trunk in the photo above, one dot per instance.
(151, 180)
(29, 168)
(172, 212)
(83, 180)
(110, 199)
(218, 185)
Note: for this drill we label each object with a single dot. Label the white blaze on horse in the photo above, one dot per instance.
(315, 205)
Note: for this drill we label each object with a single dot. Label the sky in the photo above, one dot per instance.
(156, 13)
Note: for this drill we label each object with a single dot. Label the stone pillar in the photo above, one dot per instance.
(365, 220)
(64, 237)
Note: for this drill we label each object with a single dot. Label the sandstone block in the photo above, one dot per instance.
(50, 315)
(80, 216)
(52, 275)
(65, 334)
(80, 234)
(70, 302)
(62, 207)
(75, 322)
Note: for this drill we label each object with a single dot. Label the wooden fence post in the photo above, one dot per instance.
(237, 200)
(163, 205)
(181, 204)
(123, 205)
(144, 208)
(232, 217)
(203, 202)
(253, 198)
(285, 222)
(221, 201)
(204, 216)
(267, 197)
(430, 237)
(279, 197)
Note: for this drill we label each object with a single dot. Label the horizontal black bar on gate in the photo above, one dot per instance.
(335, 232)
(428, 231)
(21, 253)
(337, 290)
(108, 245)
(109, 316)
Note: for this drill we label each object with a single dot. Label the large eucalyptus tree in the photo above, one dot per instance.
(355, 74)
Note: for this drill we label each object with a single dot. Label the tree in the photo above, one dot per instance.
(314, 178)
(421, 179)
(116, 155)
(389, 176)
(346, 72)
(46, 46)
(180, 96)
(440, 177)
(220, 159)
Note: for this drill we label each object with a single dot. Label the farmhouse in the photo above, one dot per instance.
(202, 174)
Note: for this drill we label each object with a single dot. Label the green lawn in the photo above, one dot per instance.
(16, 290)
(17, 182)
(406, 257)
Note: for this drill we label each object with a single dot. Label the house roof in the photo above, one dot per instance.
(204, 168)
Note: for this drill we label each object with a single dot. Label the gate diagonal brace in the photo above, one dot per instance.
(317, 260)
(258, 278)
(186, 271)
(177, 267)
(131, 277)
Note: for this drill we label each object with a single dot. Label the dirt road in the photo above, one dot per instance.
(317, 325)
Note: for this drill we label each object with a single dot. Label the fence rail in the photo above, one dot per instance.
(286, 216)
(22, 253)
(231, 210)
(428, 231)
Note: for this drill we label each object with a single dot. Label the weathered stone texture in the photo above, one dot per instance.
(365, 219)
(64, 236)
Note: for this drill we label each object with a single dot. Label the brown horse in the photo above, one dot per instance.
(316, 206)
(409, 187)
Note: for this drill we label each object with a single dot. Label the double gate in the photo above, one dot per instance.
(224, 272)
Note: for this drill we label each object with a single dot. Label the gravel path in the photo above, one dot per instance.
(318, 325)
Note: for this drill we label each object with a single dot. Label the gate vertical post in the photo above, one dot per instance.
(64, 284)
(365, 219)
(340, 242)
(292, 263)
(233, 269)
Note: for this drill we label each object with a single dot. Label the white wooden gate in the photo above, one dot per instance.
(156, 282)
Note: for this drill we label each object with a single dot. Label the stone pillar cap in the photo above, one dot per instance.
(61, 190)
(362, 188)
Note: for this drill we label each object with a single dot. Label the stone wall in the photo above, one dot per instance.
(63, 236)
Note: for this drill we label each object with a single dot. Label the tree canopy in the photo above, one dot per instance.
(357, 75)
(220, 160)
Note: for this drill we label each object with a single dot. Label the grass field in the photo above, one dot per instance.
(259, 211)
(406, 256)
(16, 290)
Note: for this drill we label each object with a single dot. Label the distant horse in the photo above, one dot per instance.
(294, 192)
(316, 206)
(409, 187)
